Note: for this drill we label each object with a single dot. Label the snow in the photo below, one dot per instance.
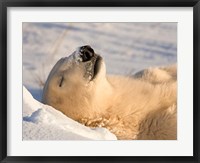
(126, 48)
(42, 122)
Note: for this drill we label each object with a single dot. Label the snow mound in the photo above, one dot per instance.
(43, 122)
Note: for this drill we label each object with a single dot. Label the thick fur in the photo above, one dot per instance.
(140, 107)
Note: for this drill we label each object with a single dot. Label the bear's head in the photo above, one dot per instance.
(77, 85)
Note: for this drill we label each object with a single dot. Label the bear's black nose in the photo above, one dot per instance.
(86, 53)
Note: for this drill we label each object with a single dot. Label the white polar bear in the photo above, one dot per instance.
(139, 107)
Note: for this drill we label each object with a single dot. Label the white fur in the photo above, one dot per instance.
(138, 107)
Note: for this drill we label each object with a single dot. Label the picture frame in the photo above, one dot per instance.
(4, 5)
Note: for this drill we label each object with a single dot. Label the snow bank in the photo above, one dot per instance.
(43, 122)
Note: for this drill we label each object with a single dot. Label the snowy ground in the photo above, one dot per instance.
(125, 47)
(42, 122)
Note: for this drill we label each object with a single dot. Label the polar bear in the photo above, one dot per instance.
(142, 107)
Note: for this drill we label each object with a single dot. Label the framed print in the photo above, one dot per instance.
(99, 80)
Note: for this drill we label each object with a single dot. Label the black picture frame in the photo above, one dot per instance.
(98, 3)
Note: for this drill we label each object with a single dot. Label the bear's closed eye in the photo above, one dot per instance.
(61, 81)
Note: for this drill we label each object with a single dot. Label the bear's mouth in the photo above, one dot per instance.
(96, 67)
(92, 67)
